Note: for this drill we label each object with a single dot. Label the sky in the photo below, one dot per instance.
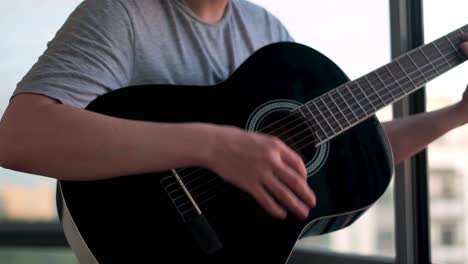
(354, 34)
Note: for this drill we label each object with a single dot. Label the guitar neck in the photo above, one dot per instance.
(349, 104)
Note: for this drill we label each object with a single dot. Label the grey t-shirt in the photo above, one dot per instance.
(108, 44)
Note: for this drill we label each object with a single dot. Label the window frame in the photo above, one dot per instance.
(18, 234)
(412, 230)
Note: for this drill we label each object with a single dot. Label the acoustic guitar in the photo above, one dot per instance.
(190, 215)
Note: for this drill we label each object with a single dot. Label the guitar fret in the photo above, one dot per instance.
(359, 97)
(375, 91)
(454, 61)
(430, 62)
(417, 68)
(441, 54)
(324, 121)
(344, 100)
(331, 113)
(417, 77)
(315, 130)
(451, 40)
(316, 120)
(327, 120)
(396, 80)
(339, 109)
(452, 53)
(357, 101)
(383, 83)
(407, 76)
(454, 48)
(365, 95)
(429, 73)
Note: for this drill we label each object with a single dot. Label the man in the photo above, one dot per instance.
(108, 44)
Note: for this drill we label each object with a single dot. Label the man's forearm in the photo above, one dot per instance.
(67, 143)
(411, 134)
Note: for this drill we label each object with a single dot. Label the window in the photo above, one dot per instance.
(445, 183)
(385, 241)
(19, 199)
(447, 235)
(27, 202)
(358, 41)
(447, 156)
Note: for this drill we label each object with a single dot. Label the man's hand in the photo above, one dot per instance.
(464, 45)
(264, 167)
(411, 134)
(462, 106)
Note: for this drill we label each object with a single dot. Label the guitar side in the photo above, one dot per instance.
(115, 218)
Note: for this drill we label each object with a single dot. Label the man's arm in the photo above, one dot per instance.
(41, 136)
(410, 135)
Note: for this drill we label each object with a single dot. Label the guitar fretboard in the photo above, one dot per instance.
(349, 104)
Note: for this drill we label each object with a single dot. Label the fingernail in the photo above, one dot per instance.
(282, 214)
(305, 212)
(304, 216)
(313, 199)
(312, 202)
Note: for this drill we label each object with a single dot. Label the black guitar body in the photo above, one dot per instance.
(134, 219)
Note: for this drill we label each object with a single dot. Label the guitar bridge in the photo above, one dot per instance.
(201, 230)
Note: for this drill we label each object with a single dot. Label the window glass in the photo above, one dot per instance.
(27, 26)
(448, 168)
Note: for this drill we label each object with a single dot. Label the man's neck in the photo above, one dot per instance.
(210, 11)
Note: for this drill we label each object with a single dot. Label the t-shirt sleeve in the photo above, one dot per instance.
(282, 32)
(277, 29)
(90, 55)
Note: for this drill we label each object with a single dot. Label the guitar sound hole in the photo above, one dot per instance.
(293, 130)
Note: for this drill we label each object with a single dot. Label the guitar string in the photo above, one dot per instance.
(306, 138)
(205, 200)
(363, 100)
(218, 184)
(372, 98)
(427, 65)
(201, 193)
(205, 183)
(370, 101)
(338, 104)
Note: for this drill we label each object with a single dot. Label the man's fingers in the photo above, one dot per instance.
(464, 45)
(296, 183)
(268, 203)
(294, 161)
(287, 198)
